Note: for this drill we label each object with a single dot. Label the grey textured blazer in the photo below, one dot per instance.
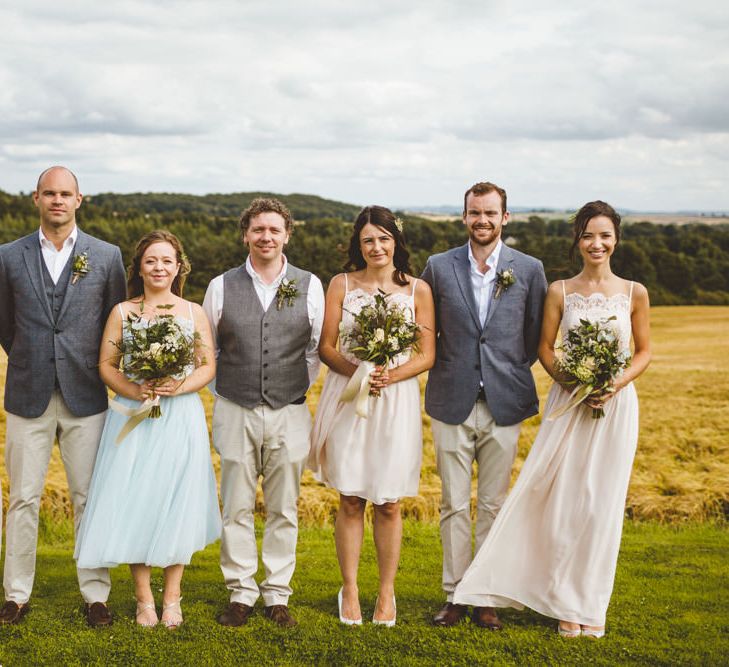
(500, 354)
(40, 350)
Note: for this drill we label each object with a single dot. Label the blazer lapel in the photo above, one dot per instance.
(82, 246)
(506, 257)
(463, 277)
(33, 259)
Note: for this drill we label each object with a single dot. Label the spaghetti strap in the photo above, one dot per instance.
(630, 294)
(121, 310)
(346, 283)
(415, 282)
(189, 304)
(564, 295)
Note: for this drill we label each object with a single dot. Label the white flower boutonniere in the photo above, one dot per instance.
(80, 267)
(286, 293)
(504, 280)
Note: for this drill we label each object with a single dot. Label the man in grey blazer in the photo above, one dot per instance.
(57, 286)
(488, 299)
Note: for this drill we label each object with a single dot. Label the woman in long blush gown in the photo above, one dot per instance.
(153, 497)
(554, 545)
(376, 458)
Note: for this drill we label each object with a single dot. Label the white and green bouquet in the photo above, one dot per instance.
(381, 331)
(155, 349)
(590, 358)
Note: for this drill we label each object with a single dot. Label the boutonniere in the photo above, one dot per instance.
(286, 293)
(504, 280)
(80, 267)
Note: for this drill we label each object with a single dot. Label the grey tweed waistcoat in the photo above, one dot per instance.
(262, 353)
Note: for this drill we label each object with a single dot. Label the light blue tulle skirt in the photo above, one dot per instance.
(153, 498)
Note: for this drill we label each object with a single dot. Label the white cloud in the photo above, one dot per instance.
(379, 102)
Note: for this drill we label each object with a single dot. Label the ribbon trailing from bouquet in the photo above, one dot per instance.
(579, 394)
(358, 388)
(136, 415)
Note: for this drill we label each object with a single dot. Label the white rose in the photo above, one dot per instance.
(379, 335)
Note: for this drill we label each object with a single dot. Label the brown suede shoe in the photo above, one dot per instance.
(279, 613)
(235, 615)
(98, 615)
(450, 614)
(485, 617)
(12, 612)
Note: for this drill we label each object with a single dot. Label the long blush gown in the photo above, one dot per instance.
(554, 544)
(376, 458)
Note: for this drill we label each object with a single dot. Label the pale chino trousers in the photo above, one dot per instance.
(28, 447)
(272, 444)
(493, 448)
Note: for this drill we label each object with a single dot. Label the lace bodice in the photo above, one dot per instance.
(597, 306)
(355, 300)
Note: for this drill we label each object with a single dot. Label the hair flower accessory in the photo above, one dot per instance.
(80, 267)
(398, 224)
(286, 293)
(504, 280)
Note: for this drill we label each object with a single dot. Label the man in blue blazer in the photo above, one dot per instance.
(488, 299)
(57, 286)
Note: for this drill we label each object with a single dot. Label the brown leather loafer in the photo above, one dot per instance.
(11, 612)
(279, 614)
(485, 617)
(450, 614)
(235, 615)
(98, 615)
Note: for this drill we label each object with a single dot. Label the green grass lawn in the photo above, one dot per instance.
(670, 606)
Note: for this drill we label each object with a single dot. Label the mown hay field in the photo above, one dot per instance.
(681, 470)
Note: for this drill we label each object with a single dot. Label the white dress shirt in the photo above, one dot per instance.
(55, 260)
(483, 283)
(213, 307)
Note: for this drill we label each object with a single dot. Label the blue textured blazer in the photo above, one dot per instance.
(499, 354)
(39, 349)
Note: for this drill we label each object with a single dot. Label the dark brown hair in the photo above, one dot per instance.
(266, 205)
(384, 219)
(589, 211)
(480, 189)
(135, 286)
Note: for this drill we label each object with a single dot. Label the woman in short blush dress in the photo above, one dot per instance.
(554, 545)
(376, 458)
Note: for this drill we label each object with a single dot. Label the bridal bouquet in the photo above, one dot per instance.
(381, 331)
(152, 350)
(590, 356)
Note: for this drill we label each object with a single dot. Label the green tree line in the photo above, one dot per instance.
(680, 264)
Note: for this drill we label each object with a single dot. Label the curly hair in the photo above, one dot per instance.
(589, 211)
(266, 205)
(135, 286)
(383, 218)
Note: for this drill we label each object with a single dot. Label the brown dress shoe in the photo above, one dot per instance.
(279, 613)
(97, 615)
(485, 617)
(450, 614)
(235, 615)
(12, 612)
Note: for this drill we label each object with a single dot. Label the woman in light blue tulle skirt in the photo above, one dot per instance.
(153, 496)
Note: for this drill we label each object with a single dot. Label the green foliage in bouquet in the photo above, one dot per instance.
(590, 356)
(156, 348)
(381, 331)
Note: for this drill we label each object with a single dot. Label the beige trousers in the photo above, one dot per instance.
(28, 447)
(272, 444)
(493, 448)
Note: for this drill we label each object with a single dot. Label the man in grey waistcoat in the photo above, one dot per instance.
(57, 286)
(266, 317)
(489, 300)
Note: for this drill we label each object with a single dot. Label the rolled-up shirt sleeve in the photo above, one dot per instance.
(315, 307)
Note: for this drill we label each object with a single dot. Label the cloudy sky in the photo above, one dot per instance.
(391, 102)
